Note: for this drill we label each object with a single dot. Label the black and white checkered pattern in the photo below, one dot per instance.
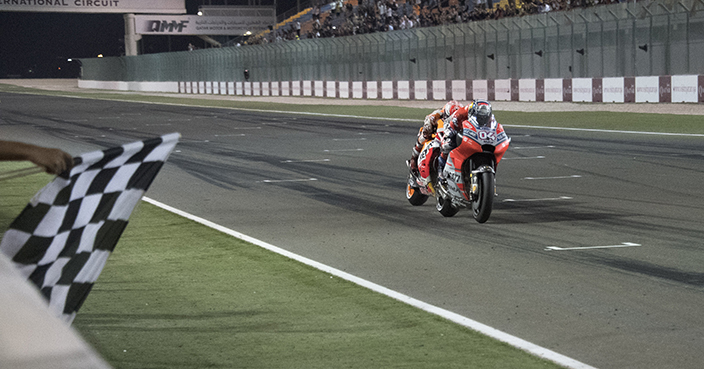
(63, 238)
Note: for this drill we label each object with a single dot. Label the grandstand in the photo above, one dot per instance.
(304, 17)
(423, 13)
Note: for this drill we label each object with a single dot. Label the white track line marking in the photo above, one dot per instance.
(624, 244)
(454, 317)
(349, 139)
(344, 150)
(558, 177)
(532, 147)
(232, 135)
(288, 180)
(304, 161)
(545, 199)
(525, 157)
(608, 130)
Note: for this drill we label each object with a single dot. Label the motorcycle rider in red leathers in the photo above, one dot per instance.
(430, 125)
(482, 113)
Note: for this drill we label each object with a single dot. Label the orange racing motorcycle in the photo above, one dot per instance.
(468, 177)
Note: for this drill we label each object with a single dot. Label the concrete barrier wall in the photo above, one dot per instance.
(646, 89)
(131, 86)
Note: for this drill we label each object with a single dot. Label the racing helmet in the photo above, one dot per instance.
(482, 112)
(450, 107)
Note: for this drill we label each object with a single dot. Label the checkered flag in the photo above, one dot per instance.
(63, 238)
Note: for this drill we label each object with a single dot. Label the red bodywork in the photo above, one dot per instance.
(471, 146)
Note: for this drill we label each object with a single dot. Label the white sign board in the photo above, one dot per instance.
(459, 90)
(420, 90)
(582, 89)
(439, 89)
(684, 89)
(647, 89)
(502, 89)
(613, 89)
(95, 6)
(553, 89)
(387, 89)
(526, 90)
(480, 89)
(158, 24)
(404, 90)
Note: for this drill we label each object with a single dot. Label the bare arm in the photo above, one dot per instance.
(53, 161)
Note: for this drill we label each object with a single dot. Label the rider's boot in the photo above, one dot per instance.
(441, 168)
(413, 164)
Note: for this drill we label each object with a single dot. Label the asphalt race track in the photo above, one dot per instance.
(544, 267)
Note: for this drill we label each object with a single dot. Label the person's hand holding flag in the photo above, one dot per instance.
(52, 161)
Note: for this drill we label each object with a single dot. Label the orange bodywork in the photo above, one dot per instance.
(426, 156)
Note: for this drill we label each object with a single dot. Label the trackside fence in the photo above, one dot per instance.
(601, 49)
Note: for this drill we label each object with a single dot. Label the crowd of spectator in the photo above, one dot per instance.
(371, 16)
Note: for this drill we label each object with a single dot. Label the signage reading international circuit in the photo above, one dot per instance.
(95, 6)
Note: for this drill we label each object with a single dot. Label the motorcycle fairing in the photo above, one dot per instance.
(453, 174)
(425, 161)
(430, 151)
(473, 138)
(494, 135)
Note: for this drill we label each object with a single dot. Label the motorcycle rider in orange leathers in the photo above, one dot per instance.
(430, 126)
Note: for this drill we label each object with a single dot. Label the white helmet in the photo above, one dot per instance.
(483, 113)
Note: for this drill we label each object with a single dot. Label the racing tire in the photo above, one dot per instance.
(445, 207)
(414, 196)
(481, 207)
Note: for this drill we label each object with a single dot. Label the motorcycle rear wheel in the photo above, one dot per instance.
(414, 196)
(481, 207)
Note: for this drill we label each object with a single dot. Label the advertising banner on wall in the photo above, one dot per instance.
(480, 89)
(502, 89)
(527, 90)
(459, 90)
(95, 6)
(552, 90)
(613, 89)
(684, 89)
(250, 20)
(581, 90)
(647, 89)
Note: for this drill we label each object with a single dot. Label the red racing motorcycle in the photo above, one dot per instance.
(469, 174)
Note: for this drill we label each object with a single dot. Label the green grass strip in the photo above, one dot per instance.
(176, 294)
(687, 124)
(643, 122)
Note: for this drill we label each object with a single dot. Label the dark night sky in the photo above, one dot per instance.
(42, 42)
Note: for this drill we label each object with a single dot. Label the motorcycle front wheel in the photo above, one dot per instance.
(481, 206)
(414, 196)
